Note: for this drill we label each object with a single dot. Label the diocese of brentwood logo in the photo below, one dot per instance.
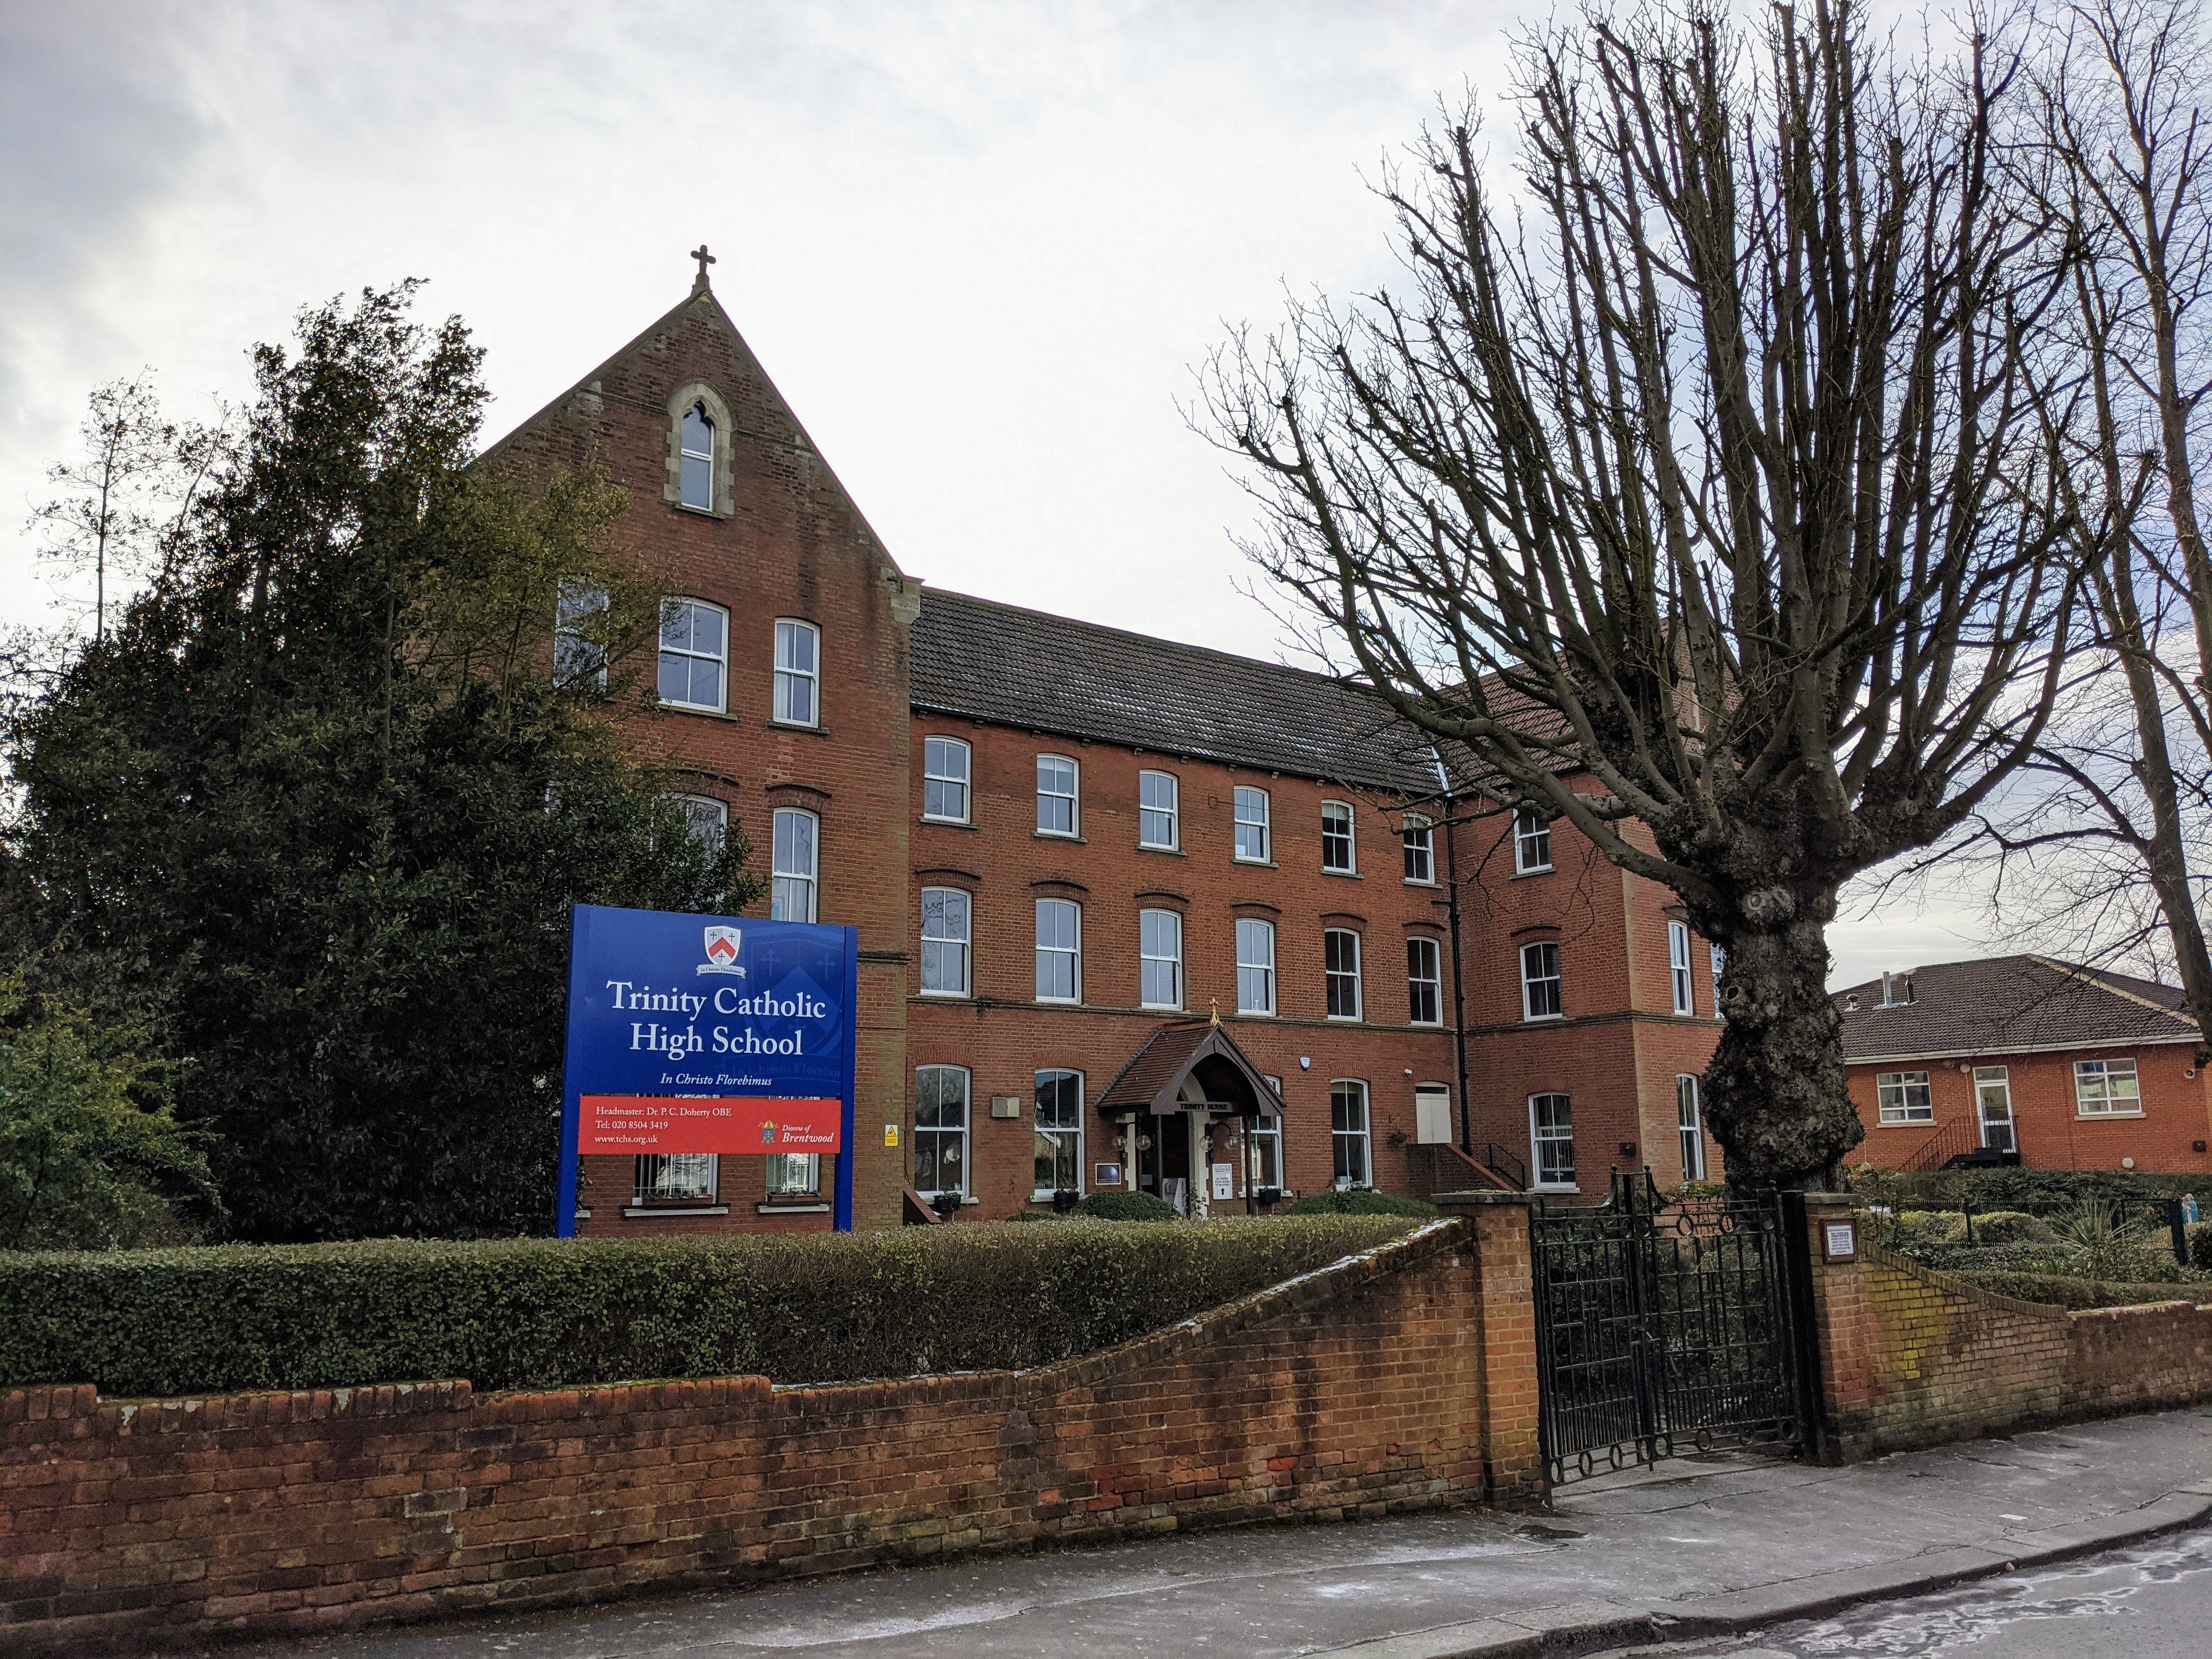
(722, 952)
(768, 1132)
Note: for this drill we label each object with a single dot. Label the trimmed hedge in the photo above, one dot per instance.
(2081, 1294)
(1126, 1206)
(1361, 1203)
(2038, 1192)
(542, 1312)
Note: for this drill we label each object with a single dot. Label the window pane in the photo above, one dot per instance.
(794, 866)
(940, 1135)
(794, 1174)
(1424, 982)
(1160, 950)
(1532, 842)
(1252, 824)
(1552, 1139)
(1340, 961)
(1691, 1128)
(1055, 795)
(1336, 849)
(1156, 808)
(945, 912)
(1256, 966)
(1058, 1132)
(1540, 980)
(1347, 1106)
(944, 778)
(1420, 853)
(1059, 950)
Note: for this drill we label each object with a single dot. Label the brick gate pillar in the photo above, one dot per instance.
(1842, 1349)
(1505, 1331)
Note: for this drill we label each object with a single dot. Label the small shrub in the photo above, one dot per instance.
(553, 1312)
(2012, 1227)
(1363, 1202)
(2200, 1244)
(1909, 1227)
(1127, 1206)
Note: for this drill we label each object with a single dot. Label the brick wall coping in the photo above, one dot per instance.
(122, 1417)
(1952, 1285)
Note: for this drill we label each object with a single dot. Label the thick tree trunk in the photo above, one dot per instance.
(1776, 1095)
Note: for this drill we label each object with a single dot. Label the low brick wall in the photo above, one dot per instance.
(1912, 1357)
(1357, 1389)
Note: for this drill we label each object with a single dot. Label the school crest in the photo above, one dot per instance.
(722, 952)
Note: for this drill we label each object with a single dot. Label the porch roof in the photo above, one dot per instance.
(1183, 1051)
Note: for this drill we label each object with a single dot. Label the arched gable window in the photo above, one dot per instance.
(699, 429)
(698, 458)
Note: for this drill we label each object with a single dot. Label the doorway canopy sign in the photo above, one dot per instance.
(707, 1033)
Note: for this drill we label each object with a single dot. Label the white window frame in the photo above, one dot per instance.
(1263, 1146)
(1333, 977)
(1999, 1077)
(1679, 979)
(690, 654)
(1690, 1126)
(1256, 929)
(1060, 908)
(1157, 928)
(791, 678)
(946, 946)
(652, 1182)
(1419, 837)
(1418, 946)
(958, 1134)
(1903, 1097)
(1346, 831)
(1542, 1135)
(1532, 842)
(1353, 1090)
(2093, 1092)
(706, 820)
(1241, 797)
(1532, 958)
(1147, 809)
(685, 454)
(1073, 796)
(576, 656)
(795, 892)
(794, 1174)
(947, 779)
(1055, 1132)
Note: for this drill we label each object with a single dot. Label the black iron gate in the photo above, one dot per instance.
(1663, 1327)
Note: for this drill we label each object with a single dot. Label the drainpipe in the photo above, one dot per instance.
(1459, 994)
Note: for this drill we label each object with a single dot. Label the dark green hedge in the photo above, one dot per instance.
(1362, 1202)
(2036, 1192)
(520, 1313)
(2070, 1292)
(1126, 1206)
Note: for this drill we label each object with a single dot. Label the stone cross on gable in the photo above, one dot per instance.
(705, 260)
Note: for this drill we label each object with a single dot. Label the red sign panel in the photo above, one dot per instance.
(707, 1123)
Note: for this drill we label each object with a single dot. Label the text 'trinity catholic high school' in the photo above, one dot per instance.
(1131, 913)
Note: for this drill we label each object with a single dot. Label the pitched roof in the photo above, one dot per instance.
(1148, 1080)
(2009, 1005)
(987, 661)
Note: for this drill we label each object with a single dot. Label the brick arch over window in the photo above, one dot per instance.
(672, 489)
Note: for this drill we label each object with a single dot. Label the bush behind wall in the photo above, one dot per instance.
(539, 1313)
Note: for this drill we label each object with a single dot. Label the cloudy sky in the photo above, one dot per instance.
(981, 247)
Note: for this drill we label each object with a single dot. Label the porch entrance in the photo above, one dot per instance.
(1661, 1329)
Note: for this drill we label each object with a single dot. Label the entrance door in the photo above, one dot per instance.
(1164, 1168)
(1993, 1100)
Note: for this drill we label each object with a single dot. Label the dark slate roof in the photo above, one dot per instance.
(987, 661)
(1165, 1057)
(2009, 1005)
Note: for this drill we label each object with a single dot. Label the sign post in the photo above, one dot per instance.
(708, 1034)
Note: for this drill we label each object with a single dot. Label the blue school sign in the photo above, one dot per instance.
(708, 1034)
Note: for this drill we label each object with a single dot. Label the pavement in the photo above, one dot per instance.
(1700, 1548)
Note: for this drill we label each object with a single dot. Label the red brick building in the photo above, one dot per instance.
(1131, 913)
(2025, 1060)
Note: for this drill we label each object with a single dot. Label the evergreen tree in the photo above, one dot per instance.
(319, 803)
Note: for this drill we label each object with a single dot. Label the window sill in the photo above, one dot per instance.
(1043, 1195)
(1416, 881)
(1255, 1013)
(946, 996)
(1541, 1019)
(1057, 835)
(947, 824)
(704, 714)
(1544, 1186)
(1344, 1019)
(1540, 870)
(795, 726)
(1344, 875)
(631, 1212)
(2104, 1117)
(696, 511)
(1906, 1123)
(809, 1207)
(1057, 1002)
(1260, 864)
(1172, 852)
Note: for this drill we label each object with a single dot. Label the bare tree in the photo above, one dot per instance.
(1696, 498)
(132, 486)
(2116, 148)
